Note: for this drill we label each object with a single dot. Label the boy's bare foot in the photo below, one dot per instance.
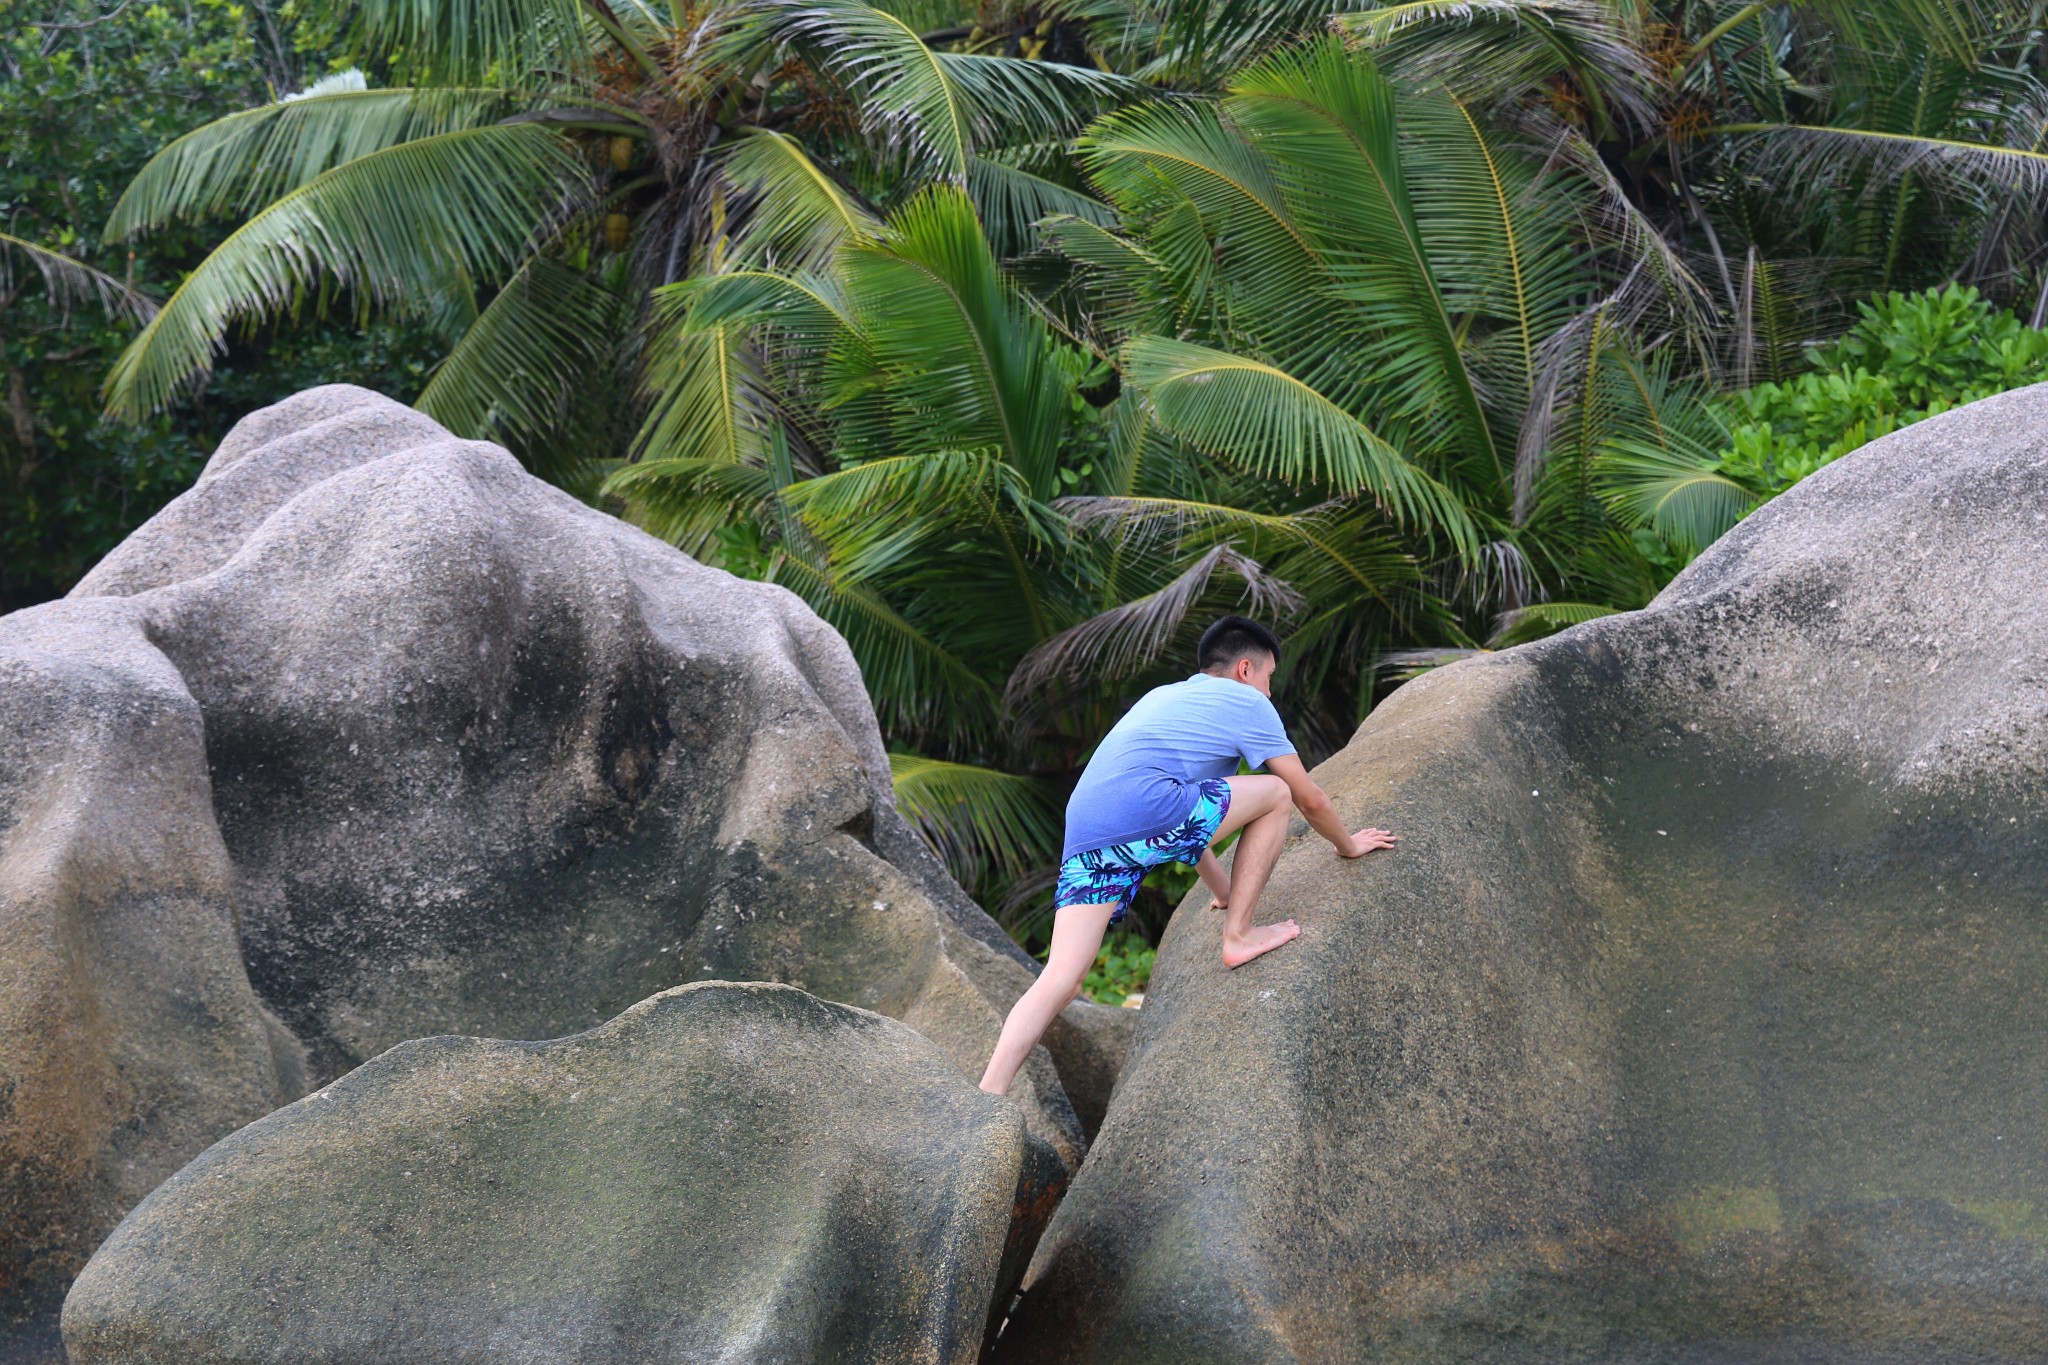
(1259, 940)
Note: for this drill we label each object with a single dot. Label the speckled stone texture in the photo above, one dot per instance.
(724, 1172)
(371, 736)
(1699, 1016)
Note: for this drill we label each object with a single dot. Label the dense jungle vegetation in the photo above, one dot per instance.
(1021, 340)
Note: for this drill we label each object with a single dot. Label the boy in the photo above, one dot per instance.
(1158, 790)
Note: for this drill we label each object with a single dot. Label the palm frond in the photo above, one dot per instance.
(1258, 416)
(1489, 49)
(1188, 519)
(918, 685)
(1505, 239)
(1406, 665)
(724, 365)
(707, 397)
(1637, 448)
(1781, 306)
(1126, 639)
(1568, 403)
(1680, 494)
(1191, 45)
(1215, 216)
(1539, 619)
(944, 487)
(517, 371)
(1327, 118)
(950, 353)
(1127, 433)
(394, 226)
(1813, 151)
(928, 15)
(1616, 222)
(1012, 197)
(1126, 285)
(686, 500)
(792, 212)
(71, 281)
(1958, 29)
(978, 820)
(247, 159)
(1017, 101)
(797, 301)
(463, 40)
(1334, 555)
(936, 108)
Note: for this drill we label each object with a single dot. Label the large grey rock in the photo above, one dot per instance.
(1699, 1014)
(443, 751)
(723, 1173)
(129, 1037)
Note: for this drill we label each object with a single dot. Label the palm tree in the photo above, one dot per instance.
(1411, 332)
(1796, 156)
(892, 440)
(1329, 258)
(543, 165)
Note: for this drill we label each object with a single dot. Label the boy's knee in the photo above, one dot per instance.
(1267, 792)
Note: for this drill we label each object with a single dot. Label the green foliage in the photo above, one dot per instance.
(989, 827)
(1908, 356)
(1123, 968)
(1020, 339)
(521, 133)
(81, 111)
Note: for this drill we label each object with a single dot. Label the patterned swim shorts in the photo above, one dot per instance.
(1101, 876)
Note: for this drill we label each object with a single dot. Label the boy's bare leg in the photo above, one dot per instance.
(1260, 806)
(1076, 937)
(1215, 878)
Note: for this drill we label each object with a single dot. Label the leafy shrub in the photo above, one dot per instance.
(1909, 356)
(1122, 968)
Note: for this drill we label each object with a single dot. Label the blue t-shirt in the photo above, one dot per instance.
(1141, 781)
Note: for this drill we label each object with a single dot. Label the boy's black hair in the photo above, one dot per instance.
(1231, 639)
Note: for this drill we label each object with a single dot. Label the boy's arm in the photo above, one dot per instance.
(1320, 813)
(1210, 870)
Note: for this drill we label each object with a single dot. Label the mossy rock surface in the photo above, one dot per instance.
(1699, 1015)
(724, 1172)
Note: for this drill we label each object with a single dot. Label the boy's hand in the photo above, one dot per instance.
(1366, 840)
